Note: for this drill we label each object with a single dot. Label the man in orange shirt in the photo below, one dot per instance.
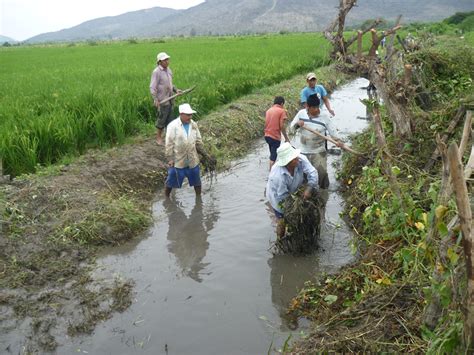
(275, 126)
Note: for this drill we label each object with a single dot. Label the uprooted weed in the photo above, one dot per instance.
(303, 224)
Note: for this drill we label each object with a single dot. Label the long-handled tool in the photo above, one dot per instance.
(176, 95)
(329, 139)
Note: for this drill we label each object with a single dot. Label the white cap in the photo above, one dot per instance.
(162, 56)
(186, 109)
(310, 76)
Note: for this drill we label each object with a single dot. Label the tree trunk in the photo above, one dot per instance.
(398, 112)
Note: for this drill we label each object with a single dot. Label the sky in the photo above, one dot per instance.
(22, 19)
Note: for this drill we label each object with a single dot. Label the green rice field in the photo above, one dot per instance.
(61, 100)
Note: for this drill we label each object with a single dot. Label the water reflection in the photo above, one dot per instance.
(187, 236)
(287, 277)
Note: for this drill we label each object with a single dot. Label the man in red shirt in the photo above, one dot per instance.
(275, 126)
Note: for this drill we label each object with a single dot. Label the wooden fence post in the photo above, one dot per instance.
(359, 44)
(465, 218)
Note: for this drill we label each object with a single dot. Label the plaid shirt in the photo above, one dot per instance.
(181, 146)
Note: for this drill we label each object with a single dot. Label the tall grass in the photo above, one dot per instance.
(61, 100)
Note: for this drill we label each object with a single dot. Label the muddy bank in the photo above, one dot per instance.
(54, 223)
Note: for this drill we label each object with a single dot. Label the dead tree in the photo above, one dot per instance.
(396, 104)
(337, 39)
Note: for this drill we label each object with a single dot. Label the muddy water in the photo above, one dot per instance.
(205, 281)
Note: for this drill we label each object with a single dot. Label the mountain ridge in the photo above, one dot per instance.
(224, 17)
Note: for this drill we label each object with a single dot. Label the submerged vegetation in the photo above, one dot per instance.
(60, 100)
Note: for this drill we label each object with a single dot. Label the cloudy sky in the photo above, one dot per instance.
(22, 19)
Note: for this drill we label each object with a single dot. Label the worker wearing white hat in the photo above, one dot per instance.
(286, 176)
(161, 88)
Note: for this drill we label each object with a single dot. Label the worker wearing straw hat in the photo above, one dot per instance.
(286, 176)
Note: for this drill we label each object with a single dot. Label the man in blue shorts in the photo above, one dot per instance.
(183, 140)
(313, 89)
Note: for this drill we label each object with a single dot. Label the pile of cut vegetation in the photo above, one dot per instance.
(303, 224)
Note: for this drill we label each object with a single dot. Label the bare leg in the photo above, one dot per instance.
(281, 228)
(168, 191)
(197, 189)
(271, 164)
(159, 133)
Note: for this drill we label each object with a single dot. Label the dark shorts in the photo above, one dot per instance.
(164, 116)
(278, 214)
(176, 177)
(273, 144)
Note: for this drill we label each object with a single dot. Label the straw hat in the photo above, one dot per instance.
(286, 153)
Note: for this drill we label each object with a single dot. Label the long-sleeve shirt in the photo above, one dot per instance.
(306, 141)
(280, 182)
(181, 146)
(161, 84)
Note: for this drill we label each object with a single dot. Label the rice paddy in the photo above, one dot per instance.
(60, 100)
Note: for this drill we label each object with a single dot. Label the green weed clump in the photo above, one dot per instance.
(110, 223)
(61, 100)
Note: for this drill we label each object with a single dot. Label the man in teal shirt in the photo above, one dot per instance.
(312, 89)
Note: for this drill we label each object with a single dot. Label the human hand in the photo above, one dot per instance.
(331, 111)
(307, 193)
(301, 123)
(179, 92)
(171, 163)
(156, 103)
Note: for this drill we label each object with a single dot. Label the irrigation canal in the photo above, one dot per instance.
(205, 281)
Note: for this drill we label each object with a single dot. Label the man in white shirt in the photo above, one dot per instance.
(183, 140)
(308, 143)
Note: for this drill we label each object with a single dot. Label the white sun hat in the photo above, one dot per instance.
(310, 76)
(162, 56)
(186, 109)
(286, 153)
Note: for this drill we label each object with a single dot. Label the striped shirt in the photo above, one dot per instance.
(306, 141)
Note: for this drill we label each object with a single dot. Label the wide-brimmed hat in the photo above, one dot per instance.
(186, 109)
(162, 56)
(286, 153)
(310, 76)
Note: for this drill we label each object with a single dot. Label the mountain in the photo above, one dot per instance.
(130, 24)
(4, 39)
(219, 17)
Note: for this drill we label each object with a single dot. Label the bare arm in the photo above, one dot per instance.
(328, 105)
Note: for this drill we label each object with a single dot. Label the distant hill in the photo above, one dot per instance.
(130, 24)
(219, 17)
(4, 39)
